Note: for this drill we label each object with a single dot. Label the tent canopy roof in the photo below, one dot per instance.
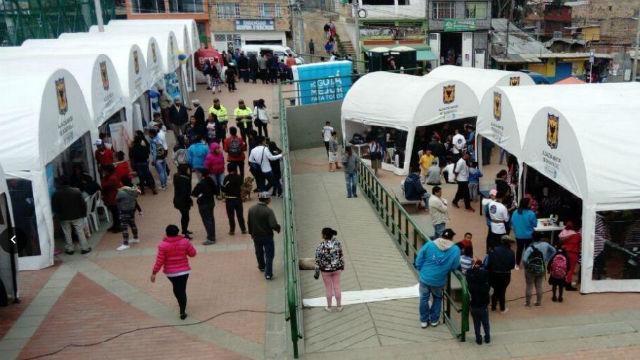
(180, 30)
(192, 27)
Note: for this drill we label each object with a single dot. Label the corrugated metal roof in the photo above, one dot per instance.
(519, 42)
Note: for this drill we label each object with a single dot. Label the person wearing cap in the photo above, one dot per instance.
(244, 117)
(178, 117)
(221, 115)
(70, 210)
(198, 113)
(435, 260)
(499, 263)
(103, 155)
(262, 223)
(438, 211)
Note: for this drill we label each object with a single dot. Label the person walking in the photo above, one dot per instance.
(70, 210)
(182, 197)
(139, 154)
(230, 76)
(499, 264)
(438, 211)
(179, 117)
(327, 130)
(159, 150)
(349, 161)
(262, 223)
(523, 223)
(244, 116)
(330, 263)
(333, 153)
(197, 153)
(173, 255)
(253, 67)
(462, 178)
(235, 148)
(261, 117)
(231, 187)
(276, 171)
(536, 259)
(126, 199)
(221, 115)
(435, 260)
(214, 162)
(263, 73)
(478, 281)
(165, 106)
(204, 192)
(259, 162)
(375, 154)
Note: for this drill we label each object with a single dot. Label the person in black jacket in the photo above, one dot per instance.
(179, 117)
(70, 209)
(478, 281)
(139, 154)
(499, 263)
(231, 187)
(204, 192)
(182, 197)
(198, 113)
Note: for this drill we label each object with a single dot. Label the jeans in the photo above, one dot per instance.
(521, 245)
(218, 178)
(234, 209)
(439, 229)
(463, 194)
(184, 220)
(128, 220)
(180, 290)
(473, 191)
(481, 317)
(499, 282)
(78, 226)
(206, 213)
(161, 168)
(144, 175)
(532, 279)
(352, 183)
(430, 314)
(264, 253)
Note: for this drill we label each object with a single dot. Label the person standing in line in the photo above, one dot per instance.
(375, 153)
(558, 268)
(126, 198)
(244, 117)
(253, 68)
(523, 223)
(438, 211)
(221, 115)
(197, 153)
(182, 197)
(235, 148)
(165, 106)
(139, 155)
(204, 192)
(330, 263)
(159, 150)
(110, 185)
(474, 181)
(333, 153)
(499, 264)
(536, 259)
(262, 224)
(327, 130)
(103, 154)
(198, 113)
(231, 187)
(70, 210)
(212, 130)
(121, 166)
(263, 73)
(349, 161)
(312, 47)
(458, 143)
(259, 161)
(435, 260)
(173, 254)
(478, 280)
(571, 240)
(261, 117)
(462, 178)
(179, 118)
(499, 217)
(214, 162)
(243, 65)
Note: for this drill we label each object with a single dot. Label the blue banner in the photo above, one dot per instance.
(322, 82)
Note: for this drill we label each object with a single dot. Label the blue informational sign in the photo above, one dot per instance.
(172, 86)
(322, 82)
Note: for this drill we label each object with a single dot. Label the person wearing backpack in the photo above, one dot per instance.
(535, 259)
(235, 147)
(558, 269)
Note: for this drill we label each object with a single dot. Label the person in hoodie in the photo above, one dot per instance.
(413, 189)
(435, 260)
(214, 162)
(173, 255)
(197, 153)
(571, 240)
(126, 199)
(478, 281)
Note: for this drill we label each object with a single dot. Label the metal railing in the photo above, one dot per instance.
(293, 308)
(409, 238)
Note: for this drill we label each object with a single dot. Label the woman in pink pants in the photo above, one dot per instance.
(330, 262)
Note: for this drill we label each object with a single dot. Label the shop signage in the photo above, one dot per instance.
(460, 25)
(255, 25)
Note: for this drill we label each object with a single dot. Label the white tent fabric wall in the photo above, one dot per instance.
(6, 270)
(41, 114)
(590, 158)
(405, 102)
(194, 36)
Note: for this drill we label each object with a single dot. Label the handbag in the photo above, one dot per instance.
(257, 167)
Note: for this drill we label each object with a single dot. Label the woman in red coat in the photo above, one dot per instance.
(571, 241)
(173, 254)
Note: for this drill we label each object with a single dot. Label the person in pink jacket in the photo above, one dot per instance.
(214, 162)
(173, 253)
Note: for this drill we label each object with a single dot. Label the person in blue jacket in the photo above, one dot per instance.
(523, 222)
(435, 260)
(413, 189)
(197, 153)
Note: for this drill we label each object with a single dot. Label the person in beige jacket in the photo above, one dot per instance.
(438, 211)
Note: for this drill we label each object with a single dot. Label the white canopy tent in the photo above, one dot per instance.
(42, 115)
(404, 102)
(192, 27)
(8, 251)
(578, 142)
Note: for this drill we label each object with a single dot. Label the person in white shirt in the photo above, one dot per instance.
(458, 142)
(326, 135)
(260, 166)
(462, 178)
(447, 172)
(499, 216)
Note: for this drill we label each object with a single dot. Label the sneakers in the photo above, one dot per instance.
(84, 252)
(517, 267)
(268, 277)
(69, 252)
(504, 311)
(208, 242)
(339, 308)
(424, 324)
(122, 247)
(134, 241)
(187, 236)
(327, 309)
(434, 323)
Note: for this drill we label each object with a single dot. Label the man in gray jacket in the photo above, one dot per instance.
(70, 209)
(126, 198)
(349, 162)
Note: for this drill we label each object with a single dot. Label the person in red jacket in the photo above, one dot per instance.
(214, 162)
(235, 148)
(103, 154)
(173, 254)
(571, 241)
(110, 185)
(122, 166)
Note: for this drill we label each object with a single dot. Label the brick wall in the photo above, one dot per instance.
(249, 9)
(614, 16)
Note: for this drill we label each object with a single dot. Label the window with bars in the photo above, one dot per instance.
(228, 10)
(475, 10)
(443, 10)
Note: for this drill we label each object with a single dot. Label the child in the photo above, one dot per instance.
(474, 180)
(478, 281)
(558, 268)
(466, 259)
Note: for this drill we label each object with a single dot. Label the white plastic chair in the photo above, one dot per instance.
(101, 205)
(92, 213)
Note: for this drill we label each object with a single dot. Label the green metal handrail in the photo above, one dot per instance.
(293, 308)
(409, 238)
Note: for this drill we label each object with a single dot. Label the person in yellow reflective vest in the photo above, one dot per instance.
(244, 118)
(221, 114)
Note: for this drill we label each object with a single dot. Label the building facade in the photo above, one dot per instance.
(197, 10)
(236, 23)
(458, 32)
(615, 18)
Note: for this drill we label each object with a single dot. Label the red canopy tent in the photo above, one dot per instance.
(204, 54)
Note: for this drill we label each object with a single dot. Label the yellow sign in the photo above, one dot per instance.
(497, 105)
(552, 130)
(61, 93)
(448, 94)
